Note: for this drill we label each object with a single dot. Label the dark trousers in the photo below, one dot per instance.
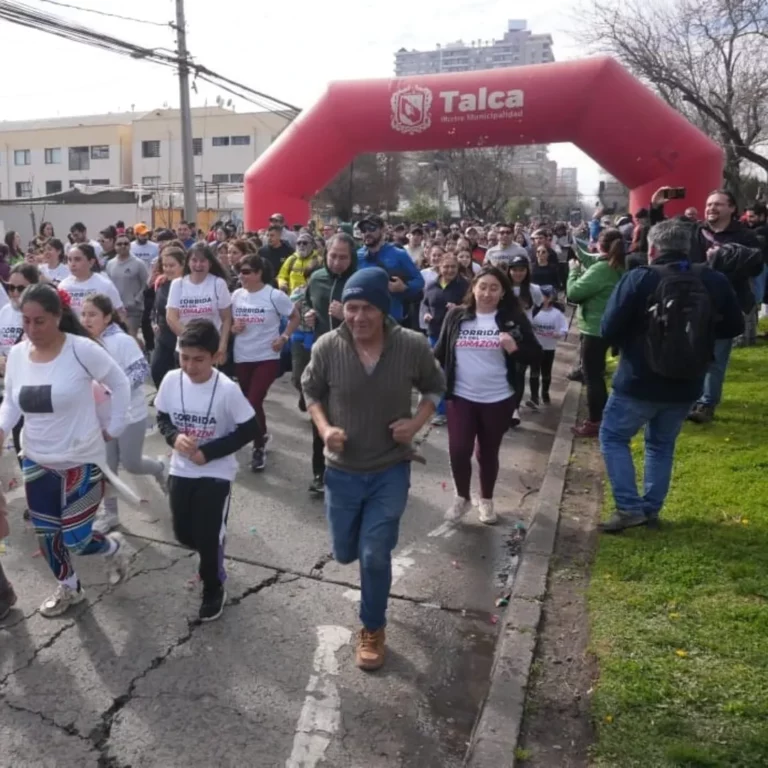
(318, 455)
(517, 397)
(16, 433)
(542, 370)
(147, 332)
(473, 424)
(199, 507)
(255, 379)
(163, 360)
(593, 355)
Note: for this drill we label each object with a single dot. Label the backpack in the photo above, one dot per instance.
(680, 335)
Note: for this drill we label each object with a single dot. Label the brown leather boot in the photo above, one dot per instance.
(370, 649)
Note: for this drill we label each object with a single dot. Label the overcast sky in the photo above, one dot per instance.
(290, 49)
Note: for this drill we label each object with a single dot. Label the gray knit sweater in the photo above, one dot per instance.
(363, 404)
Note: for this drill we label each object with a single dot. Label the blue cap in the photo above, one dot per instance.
(547, 290)
(369, 284)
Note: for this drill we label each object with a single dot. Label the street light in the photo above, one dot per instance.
(438, 165)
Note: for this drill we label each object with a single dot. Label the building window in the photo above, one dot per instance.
(24, 188)
(150, 181)
(220, 141)
(100, 152)
(150, 149)
(79, 182)
(100, 182)
(220, 178)
(79, 159)
(22, 157)
(241, 141)
(197, 147)
(52, 187)
(53, 156)
(236, 178)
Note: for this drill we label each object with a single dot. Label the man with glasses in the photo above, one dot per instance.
(501, 255)
(107, 242)
(405, 280)
(130, 275)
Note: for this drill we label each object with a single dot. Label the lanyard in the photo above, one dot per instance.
(210, 405)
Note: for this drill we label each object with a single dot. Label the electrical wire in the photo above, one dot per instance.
(110, 15)
(25, 16)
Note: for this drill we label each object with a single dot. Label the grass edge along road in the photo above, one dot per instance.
(679, 617)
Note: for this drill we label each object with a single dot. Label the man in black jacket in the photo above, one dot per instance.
(641, 397)
(740, 261)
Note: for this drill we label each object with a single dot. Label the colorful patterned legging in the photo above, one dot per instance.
(62, 505)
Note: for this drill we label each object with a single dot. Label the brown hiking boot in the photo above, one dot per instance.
(587, 428)
(370, 649)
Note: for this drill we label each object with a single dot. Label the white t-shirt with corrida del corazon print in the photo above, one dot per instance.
(11, 328)
(199, 301)
(261, 311)
(80, 290)
(481, 366)
(549, 325)
(205, 411)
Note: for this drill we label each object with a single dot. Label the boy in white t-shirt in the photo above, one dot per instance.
(205, 418)
(549, 325)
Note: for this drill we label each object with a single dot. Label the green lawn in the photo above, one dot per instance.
(679, 617)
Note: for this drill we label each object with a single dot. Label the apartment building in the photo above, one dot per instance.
(225, 144)
(130, 149)
(518, 46)
(43, 157)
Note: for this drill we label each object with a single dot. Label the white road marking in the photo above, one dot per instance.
(321, 714)
(444, 530)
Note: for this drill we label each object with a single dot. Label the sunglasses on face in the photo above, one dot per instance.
(246, 271)
(303, 242)
(122, 244)
(14, 288)
(368, 228)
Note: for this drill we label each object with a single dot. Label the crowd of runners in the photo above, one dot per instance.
(467, 314)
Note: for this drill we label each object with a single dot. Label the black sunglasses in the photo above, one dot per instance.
(14, 288)
(246, 271)
(368, 228)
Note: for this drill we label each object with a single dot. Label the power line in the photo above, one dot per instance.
(26, 16)
(110, 15)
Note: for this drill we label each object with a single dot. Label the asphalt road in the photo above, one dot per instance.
(130, 679)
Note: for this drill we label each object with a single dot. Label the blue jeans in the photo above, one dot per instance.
(623, 418)
(440, 410)
(364, 512)
(713, 381)
(758, 286)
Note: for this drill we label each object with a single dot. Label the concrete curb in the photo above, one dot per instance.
(497, 728)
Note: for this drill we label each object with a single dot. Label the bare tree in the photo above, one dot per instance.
(370, 182)
(707, 58)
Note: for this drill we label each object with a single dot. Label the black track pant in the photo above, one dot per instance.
(542, 370)
(200, 507)
(593, 362)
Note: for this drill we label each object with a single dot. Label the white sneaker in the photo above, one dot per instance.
(458, 509)
(487, 515)
(105, 521)
(162, 478)
(119, 561)
(61, 600)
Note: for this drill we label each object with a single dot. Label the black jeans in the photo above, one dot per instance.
(517, 397)
(594, 351)
(163, 360)
(199, 507)
(542, 369)
(318, 457)
(147, 331)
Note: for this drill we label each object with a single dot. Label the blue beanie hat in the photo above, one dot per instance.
(369, 284)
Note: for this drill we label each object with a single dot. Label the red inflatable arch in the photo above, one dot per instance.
(594, 103)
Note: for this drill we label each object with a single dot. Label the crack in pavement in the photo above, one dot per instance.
(322, 561)
(100, 735)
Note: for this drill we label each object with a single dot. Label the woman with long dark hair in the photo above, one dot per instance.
(13, 242)
(47, 377)
(86, 278)
(44, 234)
(172, 261)
(100, 319)
(201, 293)
(480, 344)
(591, 288)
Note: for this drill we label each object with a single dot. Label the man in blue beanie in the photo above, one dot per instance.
(357, 387)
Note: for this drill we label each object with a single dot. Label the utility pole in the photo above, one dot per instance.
(187, 151)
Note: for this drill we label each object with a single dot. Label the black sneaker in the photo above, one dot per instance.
(317, 487)
(515, 422)
(545, 398)
(621, 521)
(532, 403)
(213, 604)
(7, 599)
(576, 375)
(258, 460)
(302, 404)
(701, 414)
